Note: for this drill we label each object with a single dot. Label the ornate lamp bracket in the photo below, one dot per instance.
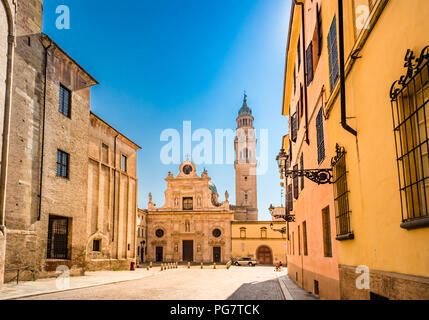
(319, 176)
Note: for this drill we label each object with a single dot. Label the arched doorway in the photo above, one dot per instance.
(264, 255)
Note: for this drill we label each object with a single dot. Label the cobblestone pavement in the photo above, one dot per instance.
(246, 283)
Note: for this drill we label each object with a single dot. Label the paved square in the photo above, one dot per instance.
(244, 283)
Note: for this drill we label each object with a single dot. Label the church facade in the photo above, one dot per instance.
(195, 226)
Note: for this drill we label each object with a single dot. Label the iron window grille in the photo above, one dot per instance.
(63, 159)
(333, 54)
(295, 182)
(320, 137)
(65, 101)
(188, 204)
(309, 59)
(294, 124)
(410, 103)
(341, 194)
(57, 237)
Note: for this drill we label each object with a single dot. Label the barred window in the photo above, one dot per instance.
(410, 109)
(333, 54)
(309, 63)
(65, 101)
(188, 204)
(57, 237)
(63, 164)
(327, 242)
(341, 194)
(295, 183)
(320, 137)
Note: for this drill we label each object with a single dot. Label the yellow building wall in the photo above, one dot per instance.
(380, 243)
(248, 246)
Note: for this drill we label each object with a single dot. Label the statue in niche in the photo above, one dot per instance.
(150, 197)
(176, 202)
(226, 195)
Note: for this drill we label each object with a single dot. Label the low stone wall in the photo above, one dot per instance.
(383, 284)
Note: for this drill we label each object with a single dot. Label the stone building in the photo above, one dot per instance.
(141, 236)
(192, 225)
(65, 204)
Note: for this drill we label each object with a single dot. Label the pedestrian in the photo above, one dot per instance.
(280, 266)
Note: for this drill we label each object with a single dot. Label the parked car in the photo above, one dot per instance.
(245, 261)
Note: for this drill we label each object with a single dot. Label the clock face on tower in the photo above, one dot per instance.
(187, 169)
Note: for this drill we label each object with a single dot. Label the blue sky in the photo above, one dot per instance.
(163, 62)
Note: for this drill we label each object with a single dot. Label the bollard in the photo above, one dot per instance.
(147, 268)
(201, 265)
(162, 267)
(177, 265)
(169, 266)
(150, 264)
(214, 265)
(189, 265)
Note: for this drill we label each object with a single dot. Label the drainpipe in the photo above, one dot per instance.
(6, 130)
(114, 191)
(304, 65)
(342, 72)
(43, 129)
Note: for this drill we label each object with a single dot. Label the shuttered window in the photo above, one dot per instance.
(319, 30)
(63, 159)
(294, 125)
(309, 61)
(333, 54)
(299, 53)
(327, 243)
(295, 183)
(304, 236)
(320, 137)
(301, 162)
(289, 201)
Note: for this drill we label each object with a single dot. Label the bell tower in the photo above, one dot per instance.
(245, 165)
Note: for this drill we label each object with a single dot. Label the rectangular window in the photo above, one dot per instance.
(341, 194)
(294, 125)
(289, 199)
(294, 80)
(295, 183)
(124, 163)
(263, 233)
(63, 159)
(309, 62)
(242, 233)
(188, 203)
(333, 54)
(319, 30)
(320, 137)
(57, 237)
(65, 101)
(299, 240)
(304, 235)
(299, 53)
(326, 223)
(301, 161)
(293, 243)
(96, 245)
(410, 109)
(105, 153)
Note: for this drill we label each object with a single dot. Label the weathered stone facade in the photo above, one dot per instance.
(99, 215)
(192, 225)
